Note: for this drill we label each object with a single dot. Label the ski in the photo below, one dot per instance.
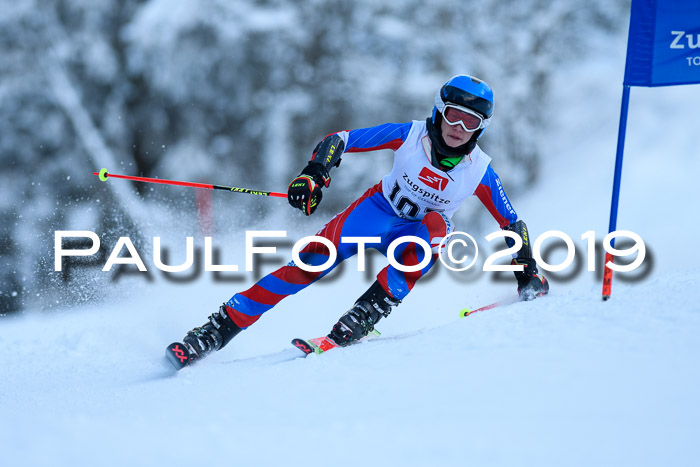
(319, 345)
(178, 355)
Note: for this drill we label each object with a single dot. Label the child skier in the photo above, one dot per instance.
(437, 166)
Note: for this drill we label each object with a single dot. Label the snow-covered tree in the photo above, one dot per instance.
(239, 93)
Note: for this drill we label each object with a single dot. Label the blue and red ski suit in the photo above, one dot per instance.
(414, 199)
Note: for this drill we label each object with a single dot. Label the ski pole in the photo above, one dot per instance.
(466, 311)
(104, 175)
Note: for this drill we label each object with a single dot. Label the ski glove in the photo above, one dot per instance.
(530, 284)
(304, 192)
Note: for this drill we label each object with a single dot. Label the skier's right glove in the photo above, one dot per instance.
(304, 192)
(530, 284)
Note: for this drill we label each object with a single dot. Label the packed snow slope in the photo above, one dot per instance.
(567, 380)
(563, 381)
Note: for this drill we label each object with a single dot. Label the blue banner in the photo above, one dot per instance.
(663, 48)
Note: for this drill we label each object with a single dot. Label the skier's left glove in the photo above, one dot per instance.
(304, 192)
(530, 284)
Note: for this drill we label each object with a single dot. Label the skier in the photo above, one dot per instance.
(437, 166)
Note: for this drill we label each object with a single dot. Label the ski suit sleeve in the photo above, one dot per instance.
(491, 194)
(328, 152)
(386, 136)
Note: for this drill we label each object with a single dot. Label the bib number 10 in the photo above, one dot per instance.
(404, 204)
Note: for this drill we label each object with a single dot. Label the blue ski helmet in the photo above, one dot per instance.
(465, 91)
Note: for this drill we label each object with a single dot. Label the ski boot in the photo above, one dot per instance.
(361, 318)
(203, 340)
(530, 284)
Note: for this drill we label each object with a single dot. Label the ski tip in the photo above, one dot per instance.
(302, 345)
(178, 355)
(465, 312)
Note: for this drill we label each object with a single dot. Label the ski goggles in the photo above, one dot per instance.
(470, 120)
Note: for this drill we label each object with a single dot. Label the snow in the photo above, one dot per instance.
(566, 380)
